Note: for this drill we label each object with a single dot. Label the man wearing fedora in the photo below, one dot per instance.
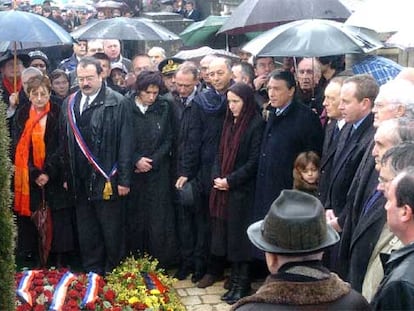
(293, 236)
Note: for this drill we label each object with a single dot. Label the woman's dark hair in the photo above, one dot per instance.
(246, 93)
(147, 78)
(57, 73)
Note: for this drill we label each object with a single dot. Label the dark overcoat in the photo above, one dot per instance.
(328, 151)
(150, 215)
(242, 182)
(204, 130)
(52, 164)
(296, 130)
(348, 156)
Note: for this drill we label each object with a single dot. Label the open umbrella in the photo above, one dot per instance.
(382, 15)
(311, 38)
(22, 28)
(197, 54)
(124, 28)
(260, 15)
(110, 4)
(199, 33)
(402, 39)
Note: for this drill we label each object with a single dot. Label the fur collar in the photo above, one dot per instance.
(299, 293)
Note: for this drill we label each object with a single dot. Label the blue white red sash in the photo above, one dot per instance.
(107, 192)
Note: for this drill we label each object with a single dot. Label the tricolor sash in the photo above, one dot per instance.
(107, 192)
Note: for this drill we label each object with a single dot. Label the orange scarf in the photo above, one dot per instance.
(33, 135)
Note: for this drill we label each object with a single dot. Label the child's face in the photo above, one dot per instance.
(310, 174)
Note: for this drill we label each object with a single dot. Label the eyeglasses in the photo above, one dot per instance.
(86, 79)
(39, 94)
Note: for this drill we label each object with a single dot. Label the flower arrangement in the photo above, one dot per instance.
(136, 284)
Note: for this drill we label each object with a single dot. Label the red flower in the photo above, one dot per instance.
(79, 286)
(73, 294)
(53, 281)
(38, 282)
(48, 295)
(39, 275)
(72, 303)
(90, 306)
(109, 295)
(39, 308)
(38, 289)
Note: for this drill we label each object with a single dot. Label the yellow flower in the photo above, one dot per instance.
(133, 300)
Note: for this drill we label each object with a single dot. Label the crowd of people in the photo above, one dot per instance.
(177, 159)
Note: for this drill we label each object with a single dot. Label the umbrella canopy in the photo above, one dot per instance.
(78, 6)
(197, 54)
(200, 32)
(24, 27)
(124, 28)
(403, 39)
(260, 15)
(382, 15)
(110, 4)
(311, 38)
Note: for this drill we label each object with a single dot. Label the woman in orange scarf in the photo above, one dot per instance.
(35, 137)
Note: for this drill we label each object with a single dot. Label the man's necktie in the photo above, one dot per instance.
(85, 104)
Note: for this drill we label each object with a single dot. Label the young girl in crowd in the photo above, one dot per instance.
(306, 172)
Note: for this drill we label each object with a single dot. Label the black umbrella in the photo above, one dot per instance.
(312, 37)
(260, 15)
(22, 29)
(124, 28)
(110, 4)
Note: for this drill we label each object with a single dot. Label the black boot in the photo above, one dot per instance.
(242, 287)
(234, 277)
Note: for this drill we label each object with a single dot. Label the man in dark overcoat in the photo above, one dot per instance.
(361, 233)
(207, 116)
(95, 123)
(291, 129)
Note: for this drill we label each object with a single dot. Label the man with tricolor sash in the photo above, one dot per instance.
(97, 149)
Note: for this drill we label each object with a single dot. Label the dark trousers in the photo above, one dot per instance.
(100, 231)
(193, 229)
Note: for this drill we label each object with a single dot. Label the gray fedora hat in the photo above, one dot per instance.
(295, 224)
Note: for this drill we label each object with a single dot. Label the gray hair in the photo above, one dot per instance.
(400, 157)
(32, 71)
(398, 92)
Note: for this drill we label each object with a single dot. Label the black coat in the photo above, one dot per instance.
(328, 152)
(364, 240)
(360, 233)
(396, 291)
(296, 130)
(348, 156)
(108, 134)
(242, 182)
(52, 165)
(204, 130)
(150, 215)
